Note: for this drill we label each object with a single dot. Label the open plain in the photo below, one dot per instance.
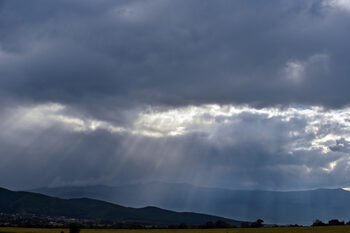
(332, 229)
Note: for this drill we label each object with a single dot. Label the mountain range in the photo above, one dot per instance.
(292, 207)
(12, 202)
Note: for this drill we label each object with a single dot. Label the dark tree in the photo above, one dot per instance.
(245, 224)
(210, 224)
(335, 222)
(182, 226)
(258, 223)
(318, 222)
(221, 224)
(74, 228)
(172, 226)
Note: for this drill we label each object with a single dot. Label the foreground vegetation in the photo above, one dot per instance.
(325, 229)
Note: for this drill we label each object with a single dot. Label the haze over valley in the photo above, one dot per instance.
(238, 109)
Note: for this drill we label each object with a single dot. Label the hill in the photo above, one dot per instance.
(85, 208)
(301, 207)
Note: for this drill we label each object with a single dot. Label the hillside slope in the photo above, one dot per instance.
(301, 207)
(85, 208)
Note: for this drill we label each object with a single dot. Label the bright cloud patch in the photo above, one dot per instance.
(297, 70)
(324, 129)
(47, 115)
(339, 4)
(317, 128)
(223, 141)
(138, 12)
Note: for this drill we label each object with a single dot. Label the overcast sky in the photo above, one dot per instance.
(236, 94)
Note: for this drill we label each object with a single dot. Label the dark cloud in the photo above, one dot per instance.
(46, 146)
(109, 62)
(166, 52)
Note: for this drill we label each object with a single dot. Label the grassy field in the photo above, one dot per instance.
(337, 229)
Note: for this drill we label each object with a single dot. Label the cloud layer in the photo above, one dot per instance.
(212, 145)
(221, 93)
(176, 52)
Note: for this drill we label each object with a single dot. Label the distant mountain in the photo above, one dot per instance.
(301, 207)
(85, 208)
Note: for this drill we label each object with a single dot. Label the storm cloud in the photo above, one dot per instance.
(236, 94)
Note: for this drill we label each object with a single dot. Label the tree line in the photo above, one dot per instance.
(332, 222)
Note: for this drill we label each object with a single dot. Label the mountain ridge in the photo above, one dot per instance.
(281, 207)
(86, 208)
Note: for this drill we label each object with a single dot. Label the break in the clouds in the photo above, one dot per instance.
(237, 94)
(212, 145)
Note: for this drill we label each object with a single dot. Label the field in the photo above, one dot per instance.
(337, 229)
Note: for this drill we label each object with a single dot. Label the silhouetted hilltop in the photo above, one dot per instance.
(301, 207)
(85, 208)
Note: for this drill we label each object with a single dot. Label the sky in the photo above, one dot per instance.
(234, 94)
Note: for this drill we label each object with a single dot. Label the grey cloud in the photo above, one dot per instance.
(173, 52)
(341, 145)
(251, 151)
(112, 60)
